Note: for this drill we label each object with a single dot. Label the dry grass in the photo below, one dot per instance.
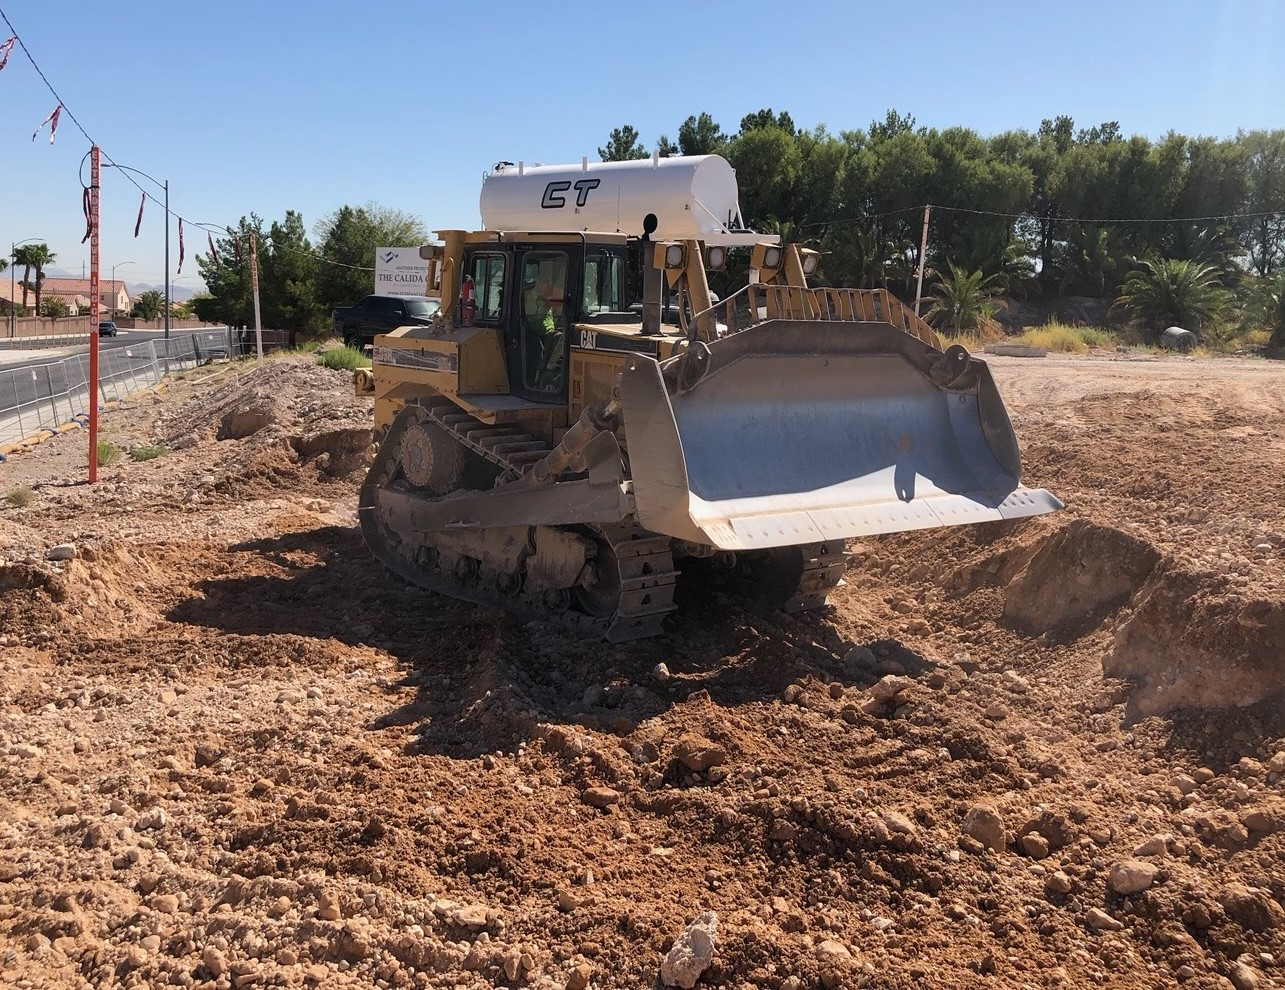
(1066, 339)
(148, 452)
(20, 498)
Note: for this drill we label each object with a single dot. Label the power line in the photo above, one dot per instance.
(123, 170)
(867, 218)
(1106, 220)
(48, 85)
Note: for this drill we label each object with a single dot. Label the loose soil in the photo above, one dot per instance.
(1046, 753)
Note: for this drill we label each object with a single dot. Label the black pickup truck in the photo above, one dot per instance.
(358, 324)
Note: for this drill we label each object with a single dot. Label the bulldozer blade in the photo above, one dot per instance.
(796, 432)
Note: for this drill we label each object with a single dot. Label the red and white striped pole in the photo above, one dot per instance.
(94, 172)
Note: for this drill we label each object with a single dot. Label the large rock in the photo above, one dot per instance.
(692, 952)
(1251, 907)
(984, 824)
(1132, 876)
(697, 753)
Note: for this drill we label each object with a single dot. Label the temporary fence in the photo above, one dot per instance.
(76, 338)
(38, 398)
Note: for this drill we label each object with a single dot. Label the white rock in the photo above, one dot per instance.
(692, 952)
(1132, 876)
(63, 551)
(1099, 920)
(830, 951)
(1157, 845)
(898, 823)
(887, 688)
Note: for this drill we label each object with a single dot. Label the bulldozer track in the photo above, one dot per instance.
(823, 567)
(507, 447)
(643, 577)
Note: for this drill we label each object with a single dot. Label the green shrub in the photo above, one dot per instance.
(343, 359)
(108, 453)
(20, 498)
(148, 452)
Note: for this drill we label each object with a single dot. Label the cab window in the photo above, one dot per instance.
(604, 288)
(544, 321)
(488, 284)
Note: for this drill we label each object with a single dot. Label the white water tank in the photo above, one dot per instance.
(690, 197)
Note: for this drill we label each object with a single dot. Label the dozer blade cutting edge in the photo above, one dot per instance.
(797, 431)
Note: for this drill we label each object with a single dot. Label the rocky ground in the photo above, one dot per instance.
(233, 752)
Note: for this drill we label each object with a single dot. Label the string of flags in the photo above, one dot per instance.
(52, 121)
(7, 48)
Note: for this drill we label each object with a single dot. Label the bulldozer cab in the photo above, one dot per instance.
(535, 292)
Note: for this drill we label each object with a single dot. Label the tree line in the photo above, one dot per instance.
(1056, 211)
(300, 281)
(1176, 230)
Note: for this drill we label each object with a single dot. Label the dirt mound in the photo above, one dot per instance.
(1076, 577)
(1196, 640)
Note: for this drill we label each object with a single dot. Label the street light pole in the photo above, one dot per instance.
(117, 296)
(13, 287)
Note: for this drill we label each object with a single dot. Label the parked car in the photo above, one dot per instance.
(107, 329)
(359, 324)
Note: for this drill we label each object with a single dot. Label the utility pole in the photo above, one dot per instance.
(95, 172)
(923, 254)
(254, 285)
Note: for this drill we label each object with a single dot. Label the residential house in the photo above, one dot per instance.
(113, 296)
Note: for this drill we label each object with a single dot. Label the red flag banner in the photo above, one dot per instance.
(51, 120)
(214, 255)
(89, 216)
(5, 49)
(139, 222)
(180, 247)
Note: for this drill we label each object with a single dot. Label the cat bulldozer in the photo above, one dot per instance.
(550, 450)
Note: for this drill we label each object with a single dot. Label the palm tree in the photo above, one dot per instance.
(40, 257)
(25, 256)
(965, 300)
(1168, 292)
(1265, 309)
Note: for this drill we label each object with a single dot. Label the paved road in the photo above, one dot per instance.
(10, 359)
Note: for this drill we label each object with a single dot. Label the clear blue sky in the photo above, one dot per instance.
(269, 105)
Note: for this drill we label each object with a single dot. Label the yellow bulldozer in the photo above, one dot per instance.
(554, 449)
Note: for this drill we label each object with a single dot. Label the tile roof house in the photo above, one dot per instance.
(113, 296)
